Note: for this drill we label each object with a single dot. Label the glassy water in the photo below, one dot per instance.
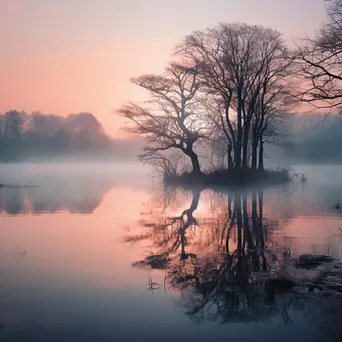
(101, 254)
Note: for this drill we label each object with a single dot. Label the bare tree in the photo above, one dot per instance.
(320, 63)
(172, 118)
(272, 107)
(241, 62)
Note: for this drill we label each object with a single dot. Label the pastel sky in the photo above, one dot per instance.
(68, 56)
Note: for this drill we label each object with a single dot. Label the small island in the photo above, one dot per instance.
(225, 94)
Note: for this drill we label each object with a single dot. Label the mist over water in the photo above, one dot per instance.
(89, 251)
(230, 225)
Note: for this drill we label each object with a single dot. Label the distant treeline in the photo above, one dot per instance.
(319, 140)
(315, 138)
(24, 135)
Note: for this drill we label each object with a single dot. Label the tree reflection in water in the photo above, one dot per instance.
(225, 266)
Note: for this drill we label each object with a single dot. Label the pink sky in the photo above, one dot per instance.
(69, 56)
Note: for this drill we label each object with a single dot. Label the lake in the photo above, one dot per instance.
(104, 253)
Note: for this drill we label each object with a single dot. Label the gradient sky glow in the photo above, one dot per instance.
(68, 56)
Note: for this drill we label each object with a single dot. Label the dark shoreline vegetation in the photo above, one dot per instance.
(231, 178)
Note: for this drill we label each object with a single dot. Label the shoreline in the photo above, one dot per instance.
(231, 178)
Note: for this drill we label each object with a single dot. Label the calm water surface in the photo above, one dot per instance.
(101, 253)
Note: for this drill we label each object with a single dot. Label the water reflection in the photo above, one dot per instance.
(225, 254)
(83, 196)
(56, 187)
(200, 256)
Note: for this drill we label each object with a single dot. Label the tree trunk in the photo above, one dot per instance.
(196, 169)
(261, 155)
(255, 225)
(244, 153)
(189, 221)
(237, 207)
(230, 160)
(261, 206)
(255, 147)
(246, 226)
(229, 207)
(237, 155)
(261, 230)
(239, 133)
(183, 255)
(254, 213)
(254, 154)
(245, 146)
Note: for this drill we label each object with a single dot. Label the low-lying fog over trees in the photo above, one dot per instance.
(36, 135)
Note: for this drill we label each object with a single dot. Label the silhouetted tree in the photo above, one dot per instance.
(172, 118)
(320, 63)
(244, 66)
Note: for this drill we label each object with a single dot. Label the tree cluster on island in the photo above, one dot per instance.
(232, 89)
